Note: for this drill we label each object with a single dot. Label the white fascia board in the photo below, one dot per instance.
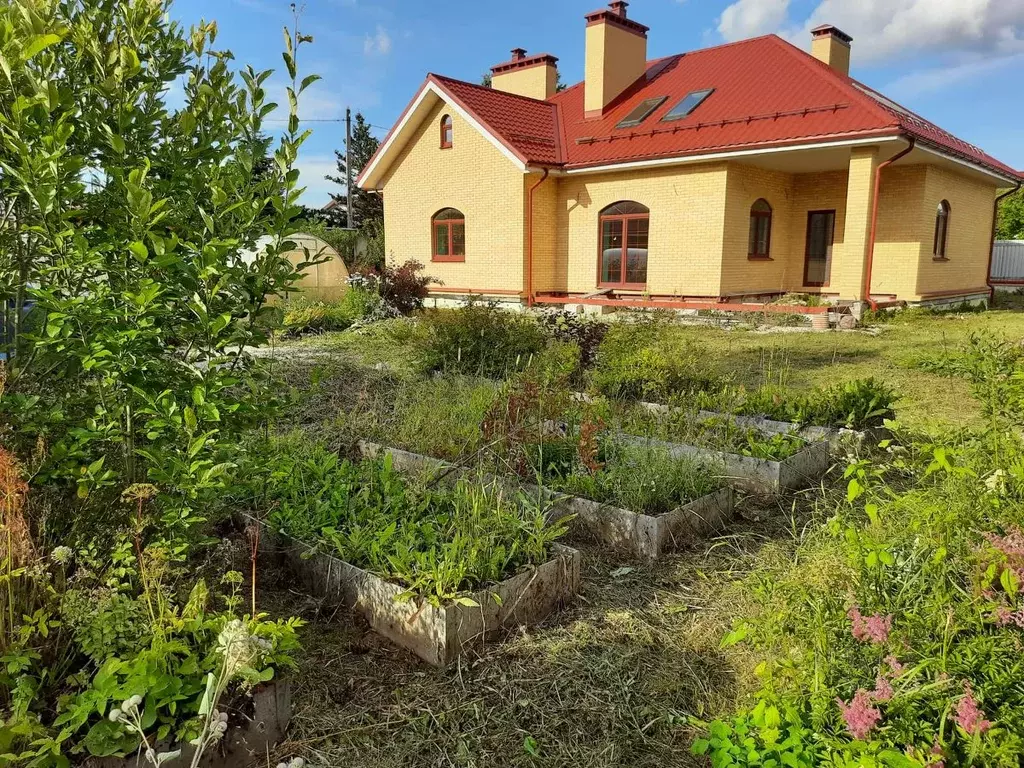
(973, 166)
(432, 88)
(689, 159)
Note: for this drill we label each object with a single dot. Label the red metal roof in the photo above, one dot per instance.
(767, 93)
(528, 127)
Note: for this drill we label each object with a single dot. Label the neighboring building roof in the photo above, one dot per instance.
(767, 93)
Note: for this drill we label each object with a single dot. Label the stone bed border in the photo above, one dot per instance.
(242, 745)
(641, 535)
(438, 635)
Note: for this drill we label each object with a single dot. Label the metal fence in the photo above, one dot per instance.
(1008, 262)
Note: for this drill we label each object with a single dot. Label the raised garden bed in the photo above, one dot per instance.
(439, 635)
(248, 741)
(796, 472)
(837, 437)
(641, 535)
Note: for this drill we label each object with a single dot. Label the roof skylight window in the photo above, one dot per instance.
(692, 100)
(641, 112)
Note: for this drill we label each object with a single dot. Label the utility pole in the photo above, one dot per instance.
(348, 168)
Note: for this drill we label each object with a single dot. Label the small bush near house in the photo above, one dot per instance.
(440, 543)
(478, 340)
(644, 360)
(404, 287)
(585, 332)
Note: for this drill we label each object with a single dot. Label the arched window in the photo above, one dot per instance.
(760, 243)
(446, 132)
(624, 234)
(448, 232)
(941, 229)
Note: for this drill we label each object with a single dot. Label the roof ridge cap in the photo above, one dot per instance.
(845, 82)
(487, 88)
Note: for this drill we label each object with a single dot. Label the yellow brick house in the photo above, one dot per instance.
(725, 177)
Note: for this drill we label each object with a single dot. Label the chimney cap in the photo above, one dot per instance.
(524, 61)
(615, 14)
(828, 30)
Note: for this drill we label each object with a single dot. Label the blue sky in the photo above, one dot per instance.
(957, 62)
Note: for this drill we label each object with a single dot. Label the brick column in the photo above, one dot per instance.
(849, 268)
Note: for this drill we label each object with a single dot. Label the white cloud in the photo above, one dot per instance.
(378, 43)
(749, 18)
(924, 81)
(312, 169)
(317, 102)
(892, 29)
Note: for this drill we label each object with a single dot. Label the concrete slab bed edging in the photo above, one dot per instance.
(242, 744)
(641, 535)
(799, 471)
(835, 436)
(438, 635)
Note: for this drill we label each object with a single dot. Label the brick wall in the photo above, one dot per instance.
(549, 271)
(969, 240)
(747, 184)
(474, 177)
(686, 229)
(902, 231)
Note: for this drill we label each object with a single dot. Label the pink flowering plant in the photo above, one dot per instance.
(893, 627)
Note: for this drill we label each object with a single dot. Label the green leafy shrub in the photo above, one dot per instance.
(764, 737)
(585, 332)
(438, 542)
(856, 404)
(645, 360)
(479, 340)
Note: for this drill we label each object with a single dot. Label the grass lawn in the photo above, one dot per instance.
(890, 351)
(610, 680)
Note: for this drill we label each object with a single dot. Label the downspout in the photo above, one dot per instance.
(529, 238)
(874, 219)
(991, 253)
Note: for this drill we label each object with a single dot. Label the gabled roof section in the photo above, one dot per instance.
(525, 130)
(767, 93)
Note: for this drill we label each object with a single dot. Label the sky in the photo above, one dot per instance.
(959, 63)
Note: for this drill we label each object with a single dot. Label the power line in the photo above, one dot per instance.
(328, 120)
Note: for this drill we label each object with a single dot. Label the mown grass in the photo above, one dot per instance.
(606, 682)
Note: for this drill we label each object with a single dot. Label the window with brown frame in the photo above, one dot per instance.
(624, 232)
(446, 132)
(760, 243)
(941, 230)
(448, 235)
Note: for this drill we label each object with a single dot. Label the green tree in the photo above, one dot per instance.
(367, 208)
(1011, 217)
(126, 225)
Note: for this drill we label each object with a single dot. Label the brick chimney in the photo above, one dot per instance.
(616, 56)
(534, 76)
(832, 46)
